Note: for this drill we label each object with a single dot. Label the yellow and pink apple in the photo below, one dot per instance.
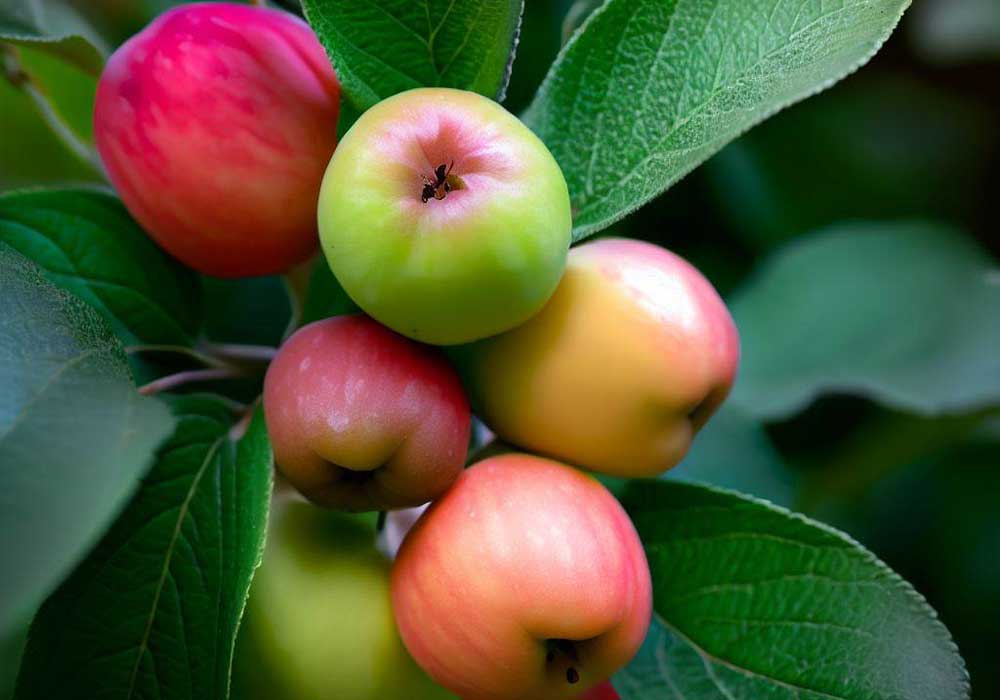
(444, 217)
(525, 581)
(361, 418)
(215, 124)
(627, 361)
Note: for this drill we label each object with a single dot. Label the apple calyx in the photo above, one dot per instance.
(563, 652)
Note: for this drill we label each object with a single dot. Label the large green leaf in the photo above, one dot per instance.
(648, 89)
(381, 47)
(74, 435)
(154, 611)
(87, 243)
(753, 602)
(54, 26)
(905, 313)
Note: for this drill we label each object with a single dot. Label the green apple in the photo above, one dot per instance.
(320, 618)
(444, 217)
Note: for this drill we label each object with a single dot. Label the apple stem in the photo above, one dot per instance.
(181, 378)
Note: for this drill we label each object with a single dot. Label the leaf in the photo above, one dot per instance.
(733, 437)
(52, 26)
(907, 314)
(74, 434)
(648, 89)
(324, 296)
(253, 310)
(871, 135)
(772, 605)
(382, 47)
(86, 243)
(157, 605)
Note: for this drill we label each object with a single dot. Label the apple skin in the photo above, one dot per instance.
(604, 691)
(521, 566)
(215, 124)
(320, 618)
(481, 260)
(361, 418)
(627, 361)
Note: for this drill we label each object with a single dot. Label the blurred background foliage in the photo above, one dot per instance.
(911, 142)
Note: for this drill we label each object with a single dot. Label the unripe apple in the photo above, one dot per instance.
(361, 418)
(525, 581)
(444, 217)
(215, 124)
(622, 367)
(320, 617)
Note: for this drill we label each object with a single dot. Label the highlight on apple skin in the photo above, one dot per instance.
(361, 418)
(215, 124)
(525, 580)
(627, 361)
(444, 217)
(320, 622)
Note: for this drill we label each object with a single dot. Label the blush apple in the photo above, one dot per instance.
(444, 217)
(525, 581)
(361, 418)
(627, 361)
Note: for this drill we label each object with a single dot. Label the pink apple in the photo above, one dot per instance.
(627, 361)
(216, 123)
(525, 581)
(361, 418)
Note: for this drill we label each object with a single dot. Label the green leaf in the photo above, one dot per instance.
(755, 602)
(381, 47)
(156, 607)
(324, 296)
(74, 434)
(86, 243)
(53, 26)
(907, 314)
(648, 89)
(733, 437)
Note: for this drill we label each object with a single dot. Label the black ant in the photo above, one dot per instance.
(443, 183)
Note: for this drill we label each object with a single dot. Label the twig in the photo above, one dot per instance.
(240, 352)
(172, 381)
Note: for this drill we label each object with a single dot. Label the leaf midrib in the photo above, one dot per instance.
(168, 554)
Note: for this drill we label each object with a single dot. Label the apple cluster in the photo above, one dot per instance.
(449, 223)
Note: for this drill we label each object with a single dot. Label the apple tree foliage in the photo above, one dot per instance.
(132, 525)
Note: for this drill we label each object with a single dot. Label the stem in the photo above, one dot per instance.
(172, 381)
(15, 74)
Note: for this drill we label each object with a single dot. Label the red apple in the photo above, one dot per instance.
(604, 691)
(525, 581)
(215, 124)
(627, 361)
(361, 418)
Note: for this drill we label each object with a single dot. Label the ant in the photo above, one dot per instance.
(443, 183)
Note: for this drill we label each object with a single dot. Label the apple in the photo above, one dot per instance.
(361, 418)
(444, 217)
(604, 691)
(319, 618)
(525, 581)
(627, 361)
(215, 124)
